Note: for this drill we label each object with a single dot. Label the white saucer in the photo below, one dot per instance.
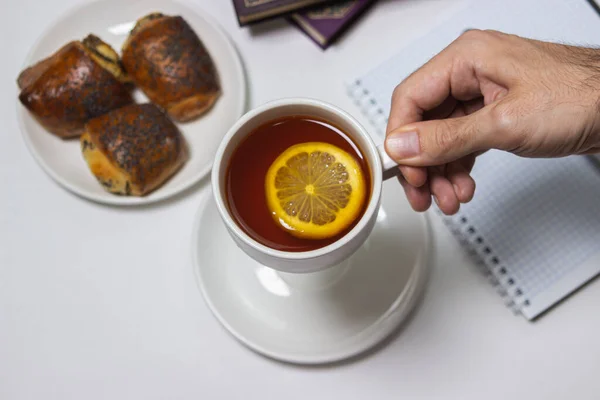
(321, 317)
(111, 20)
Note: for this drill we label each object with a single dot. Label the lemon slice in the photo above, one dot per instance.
(315, 190)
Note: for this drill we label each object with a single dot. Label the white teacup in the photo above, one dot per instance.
(309, 261)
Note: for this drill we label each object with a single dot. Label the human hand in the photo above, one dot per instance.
(490, 90)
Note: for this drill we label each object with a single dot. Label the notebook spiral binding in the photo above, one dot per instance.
(369, 106)
(473, 242)
(486, 260)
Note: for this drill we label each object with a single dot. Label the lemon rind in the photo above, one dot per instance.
(344, 217)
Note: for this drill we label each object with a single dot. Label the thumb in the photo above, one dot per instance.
(438, 142)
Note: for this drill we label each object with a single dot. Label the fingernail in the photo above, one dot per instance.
(456, 190)
(401, 145)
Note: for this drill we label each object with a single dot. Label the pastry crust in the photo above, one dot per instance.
(133, 150)
(166, 59)
(106, 56)
(74, 85)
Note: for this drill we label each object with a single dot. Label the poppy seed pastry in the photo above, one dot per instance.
(82, 80)
(168, 62)
(133, 150)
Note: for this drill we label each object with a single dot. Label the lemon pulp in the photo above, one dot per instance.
(315, 190)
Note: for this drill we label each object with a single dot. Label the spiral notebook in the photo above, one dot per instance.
(534, 225)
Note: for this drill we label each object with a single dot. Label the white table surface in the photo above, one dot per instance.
(90, 309)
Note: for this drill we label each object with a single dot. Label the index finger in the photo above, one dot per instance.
(449, 73)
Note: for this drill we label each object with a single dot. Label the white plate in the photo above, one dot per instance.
(111, 20)
(321, 317)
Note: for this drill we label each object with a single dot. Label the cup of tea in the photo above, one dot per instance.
(245, 155)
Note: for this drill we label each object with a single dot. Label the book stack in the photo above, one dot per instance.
(323, 21)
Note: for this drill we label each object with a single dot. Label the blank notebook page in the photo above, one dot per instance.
(534, 225)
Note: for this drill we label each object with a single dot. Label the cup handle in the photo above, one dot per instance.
(390, 167)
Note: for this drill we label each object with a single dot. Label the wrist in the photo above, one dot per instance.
(588, 64)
